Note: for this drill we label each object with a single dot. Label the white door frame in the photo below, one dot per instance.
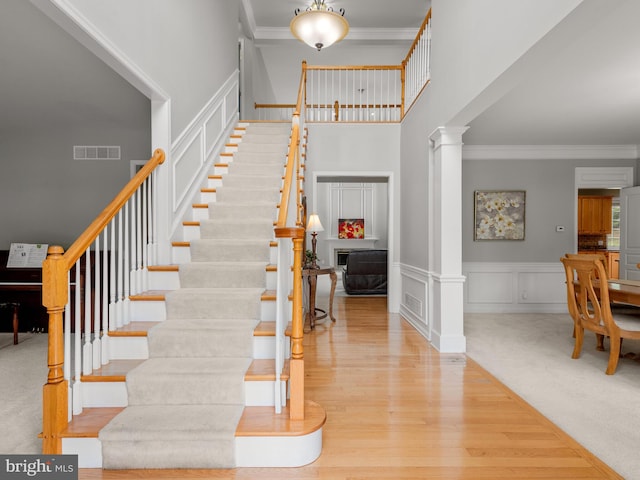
(599, 177)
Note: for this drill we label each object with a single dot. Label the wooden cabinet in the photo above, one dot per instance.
(594, 215)
(613, 259)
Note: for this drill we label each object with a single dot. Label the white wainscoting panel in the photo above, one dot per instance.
(200, 142)
(414, 298)
(514, 287)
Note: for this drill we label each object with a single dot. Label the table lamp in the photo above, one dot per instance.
(314, 226)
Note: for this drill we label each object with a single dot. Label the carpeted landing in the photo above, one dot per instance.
(186, 400)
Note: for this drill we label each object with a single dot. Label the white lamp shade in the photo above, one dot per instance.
(319, 28)
(314, 225)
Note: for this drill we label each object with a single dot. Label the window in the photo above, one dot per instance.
(613, 240)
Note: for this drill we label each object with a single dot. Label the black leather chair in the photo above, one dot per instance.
(365, 272)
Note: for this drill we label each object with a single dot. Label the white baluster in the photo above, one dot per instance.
(133, 287)
(105, 297)
(68, 361)
(87, 353)
(97, 324)
(113, 282)
(77, 346)
(126, 239)
(146, 234)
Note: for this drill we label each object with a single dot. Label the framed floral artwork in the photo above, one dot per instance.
(499, 215)
(351, 228)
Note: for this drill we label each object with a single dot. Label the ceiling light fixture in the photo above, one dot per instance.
(319, 26)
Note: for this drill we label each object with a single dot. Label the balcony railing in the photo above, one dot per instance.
(366, 93)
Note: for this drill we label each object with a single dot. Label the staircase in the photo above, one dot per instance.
(191, 382)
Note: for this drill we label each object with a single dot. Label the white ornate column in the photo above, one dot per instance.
(445, 247)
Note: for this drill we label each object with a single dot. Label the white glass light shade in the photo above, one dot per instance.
(314, 225)
(319, 28)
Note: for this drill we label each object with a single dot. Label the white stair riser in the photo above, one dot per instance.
(265, 348)
(214, 182)
(278, 451)
(198, 214)
(250, 451)
(89, 451)
(267, 310)
(272, 278)
(262, 393)
(114, 394)
(190, 232)
(128, 348)
(180, 255)
(148, 311)
(207, 197)
(220, 170)
(164, 280)
(104, 394)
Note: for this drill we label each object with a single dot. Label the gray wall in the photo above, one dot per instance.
(55, 94)
(550, 201)
(188, 47)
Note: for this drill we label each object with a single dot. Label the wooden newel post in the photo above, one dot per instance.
(296, 364)
(54, 394)
(403, 79)
(336, 108)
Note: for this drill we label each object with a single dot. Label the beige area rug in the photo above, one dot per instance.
(23, 370)
(531, 354)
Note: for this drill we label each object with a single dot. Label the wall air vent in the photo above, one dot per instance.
(85, 152)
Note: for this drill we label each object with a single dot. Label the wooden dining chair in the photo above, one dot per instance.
(590, 307)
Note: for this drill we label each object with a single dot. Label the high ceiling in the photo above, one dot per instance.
(587, 94)
(368, 19)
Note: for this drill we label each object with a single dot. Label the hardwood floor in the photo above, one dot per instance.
(396, 409)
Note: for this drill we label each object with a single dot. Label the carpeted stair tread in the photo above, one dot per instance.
(245, 210)
(241, 193)
(221, 250)
(277, 160)
(202, 337)
(177, 422)
(171, 436)
(185, 324)
(214, 303)
(251, 180)
(217, 380)
(186, 399)
(223, 274)
(241, 168)
(236, 228)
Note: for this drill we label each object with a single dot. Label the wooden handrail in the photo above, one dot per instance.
(55, 271)
(425, 22)
(354, 67)
(110, 211)
(274, 105)
(296, 234)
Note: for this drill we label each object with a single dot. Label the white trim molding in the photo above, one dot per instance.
(415, 302)
(604, 177)
(506, 287)
(549, 152)
(197, 145)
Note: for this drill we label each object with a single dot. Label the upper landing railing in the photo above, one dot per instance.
(366, 93)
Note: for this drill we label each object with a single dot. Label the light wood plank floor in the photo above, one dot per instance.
(396, 409)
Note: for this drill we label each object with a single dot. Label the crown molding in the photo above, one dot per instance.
(549, 152)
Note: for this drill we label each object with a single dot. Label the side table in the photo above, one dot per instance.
(312, 278)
